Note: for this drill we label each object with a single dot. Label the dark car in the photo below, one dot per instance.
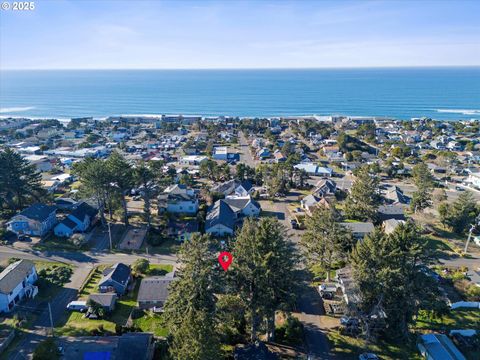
(23, 238)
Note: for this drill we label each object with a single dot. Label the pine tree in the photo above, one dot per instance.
(264, 262)
(325, 240)
(190, 308)
(122, 174)
(461, 214)
(363, 200)
(20, 183)
(423, 179)
(388, 270)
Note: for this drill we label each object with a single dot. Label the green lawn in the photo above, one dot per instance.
(57, 243)
(167, 247)
(90, 286)
(151, 322)
(455, 319)
(347, 347)
(159, 269)
(77, 325)
(46, 288)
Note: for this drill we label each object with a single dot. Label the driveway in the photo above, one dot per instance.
(41, 326)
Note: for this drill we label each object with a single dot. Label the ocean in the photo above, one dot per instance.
(402, 93)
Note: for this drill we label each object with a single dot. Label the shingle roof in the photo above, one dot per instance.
(39, 212)
(220, 213)
(14, 275)
(69, 223)
(82, 210)
(359, 227)
(239, 203)
(154, 288)
(118, 273)
(133, 346)
(105, 299)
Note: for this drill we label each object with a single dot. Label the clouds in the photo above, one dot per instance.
(240, 34)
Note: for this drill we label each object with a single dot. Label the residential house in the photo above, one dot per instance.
(311, 202)
(243, 206)
(42, 163)
(115, 279)
(65, 203)
(16, 283)
(359, 229)
(220, 219)
(234, 187)
(313, 169)
(134, 346)
(390, 225)
(394, 195)
(263, 153)
(182, 230)
(279, 157)
(193, 159)
(35, 220)
(177, 199)
(106, 300)
(223, 153)
(153, 292)
(438, 347)
(78, 221)
(385, 212)
(325, 187)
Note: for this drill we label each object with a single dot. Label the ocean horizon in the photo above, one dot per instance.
(443, 93)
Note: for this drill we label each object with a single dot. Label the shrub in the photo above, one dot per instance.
(291, 332)
(141, 266)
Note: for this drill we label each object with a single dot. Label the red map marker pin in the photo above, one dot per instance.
(225, 259)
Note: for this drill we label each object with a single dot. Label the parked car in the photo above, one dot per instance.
(77, 306)
(294, 224)
(459, 188)
(23, 238)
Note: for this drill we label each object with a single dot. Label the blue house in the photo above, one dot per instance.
(35, 220)
(78, 221)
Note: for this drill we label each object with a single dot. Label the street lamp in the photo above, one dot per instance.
(474, 225)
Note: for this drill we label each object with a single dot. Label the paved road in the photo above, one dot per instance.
(27, 345)
(80, 258)
(246, 156)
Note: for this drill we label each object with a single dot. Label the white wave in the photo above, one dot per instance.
(15, 109)
(459, 111)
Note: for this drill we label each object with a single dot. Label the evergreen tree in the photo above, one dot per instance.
(460, 215)
(145, 179)
(20, 182)
(190, 308)
(388, 270)
(122, 175)
(423, 179)
(47, 350)
(363, 200)
(264, 265)
(325, 240)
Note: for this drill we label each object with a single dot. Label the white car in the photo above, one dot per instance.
(77, 306)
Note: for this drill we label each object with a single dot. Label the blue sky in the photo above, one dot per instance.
(61, 34)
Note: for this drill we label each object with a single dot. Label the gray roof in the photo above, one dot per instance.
(133, 346)
(359, 227)
(83, 210)
(238, 204)
(310, 200)
(119, 273)
(154, 288)
(220, 213)
(105, 299)
(227, 187)
(39, 212)
(14, 274)
(439, 346)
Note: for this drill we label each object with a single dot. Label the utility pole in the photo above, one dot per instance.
(110, 235)
(50, 313)
(476, 221)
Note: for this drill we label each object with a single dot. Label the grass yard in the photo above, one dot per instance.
(167, 247)
(57, 243)
(77, 325)
(151, 322)
(347, 347)
(91, 284)
(456, 319)
(159, 269)
(52, 277)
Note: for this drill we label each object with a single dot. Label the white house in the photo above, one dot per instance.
(220, 153)
(178, 199)
(220, 219)
(193, 160)
(243, 206)
(16, 283)
(313, 169)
